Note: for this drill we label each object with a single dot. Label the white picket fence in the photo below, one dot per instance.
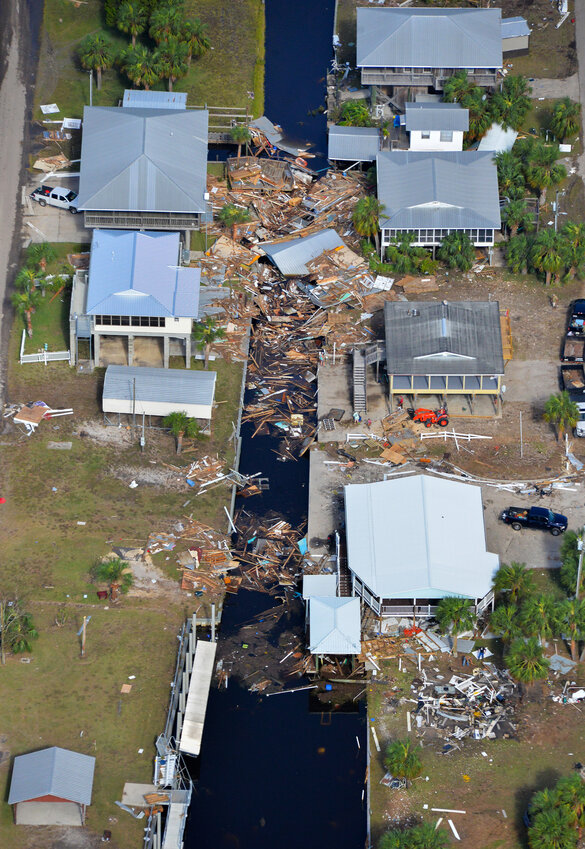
(41, 356)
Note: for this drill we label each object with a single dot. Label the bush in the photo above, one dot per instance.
(355, 113)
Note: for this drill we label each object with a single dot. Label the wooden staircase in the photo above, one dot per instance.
(359, 382)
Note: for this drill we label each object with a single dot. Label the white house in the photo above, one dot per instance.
(159, 391)
(436, 126)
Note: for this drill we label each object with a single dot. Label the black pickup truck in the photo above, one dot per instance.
(535, 517)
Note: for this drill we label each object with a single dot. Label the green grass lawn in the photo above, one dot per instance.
(232, 68)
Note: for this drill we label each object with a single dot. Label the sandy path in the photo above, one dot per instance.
(12, 116)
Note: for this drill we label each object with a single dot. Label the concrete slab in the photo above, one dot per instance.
(528, 381)
(133, 794)
(196, 706)
(335, 391)
(49, 224)
(48, 813)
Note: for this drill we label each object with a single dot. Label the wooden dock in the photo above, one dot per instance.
(176, 819)
(192, 728)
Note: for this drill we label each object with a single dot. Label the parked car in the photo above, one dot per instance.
(577, 318)
(535, 517)
(56, 196)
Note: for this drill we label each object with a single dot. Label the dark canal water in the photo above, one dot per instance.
(272, 773)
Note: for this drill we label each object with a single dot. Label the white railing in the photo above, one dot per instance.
(41, 356)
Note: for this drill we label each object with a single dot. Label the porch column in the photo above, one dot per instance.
(166, 347)
(188, 351)
(96, 349)
(130, 349)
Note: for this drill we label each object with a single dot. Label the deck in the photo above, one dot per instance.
(194, 718)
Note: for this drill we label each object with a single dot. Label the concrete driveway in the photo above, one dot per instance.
(530, 381)
(538, 549)
(49, 224)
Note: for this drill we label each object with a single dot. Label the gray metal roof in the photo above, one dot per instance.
(52, 772)
(353, 144)
(135, 97)
(418, 537)
(321, 585)
(429, 38)
(436, 116)
(170, 386)
(137, 273)
(290, 256)
(426, 337)
(274, 136)
(143, 160)
(454, 190)
(515, 27)
(334, 625)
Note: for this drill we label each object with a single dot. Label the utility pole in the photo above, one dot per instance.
(81, 633)
(91, 88)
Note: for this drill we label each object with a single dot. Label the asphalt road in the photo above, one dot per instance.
(13, 101)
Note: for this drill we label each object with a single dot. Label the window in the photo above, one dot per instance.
(425, 134)
(446, 135)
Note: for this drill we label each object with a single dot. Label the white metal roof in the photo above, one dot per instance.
(138, 273)
(515, 27)
(418, 537)
(353, 144)
(154, 99)
(290, 256)
(321, 585)
(497, 139)
(334, 625)
(429, 38)
(52, 772)
(143, 160)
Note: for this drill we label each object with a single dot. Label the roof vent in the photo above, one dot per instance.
(413, 312)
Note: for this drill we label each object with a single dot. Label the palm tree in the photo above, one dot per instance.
(117, 573)
(455, 614)
(518, 252)
(544, 800)
(569, 552)
(574, 235)
(165, 22)
(548, 254)
(572, 622)
(131, 19)
(504, 622)
(194, 34)
(539, 616)
(510, 106)
(571, 792)
(526, 662)
(516, 215)
(561, 412)
(205, 333)
(510, 175)
(181, 425)
(39, 254)
(402, 759)
(543, 170)
(96, 53)
(566, 118)
(366, 218)
(231, 215)
(480, 118)
(240, 135)
(515, 579)
(457, 87)
(26, 279)
(141, 66)
(551, 829)
(172, 56)
(457, 251)
(25, 303)
(421, 836)
(393, 839)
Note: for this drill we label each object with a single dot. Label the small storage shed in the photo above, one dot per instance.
(291, 256)
(51, 787)
(515, 36)
(413, 540)
(334, 625)
(158, 391)
(353, 144)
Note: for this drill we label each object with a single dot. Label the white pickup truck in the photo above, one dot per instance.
(56, 196)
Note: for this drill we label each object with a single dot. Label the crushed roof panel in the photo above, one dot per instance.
(291, 256)
(429, 38)
(420, 336)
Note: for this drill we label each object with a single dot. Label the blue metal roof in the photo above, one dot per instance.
(290, 256)
(52, 772)
(155, 99)
(138, 273)
(334, 625)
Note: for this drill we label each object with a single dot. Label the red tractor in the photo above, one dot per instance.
(431, 417)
